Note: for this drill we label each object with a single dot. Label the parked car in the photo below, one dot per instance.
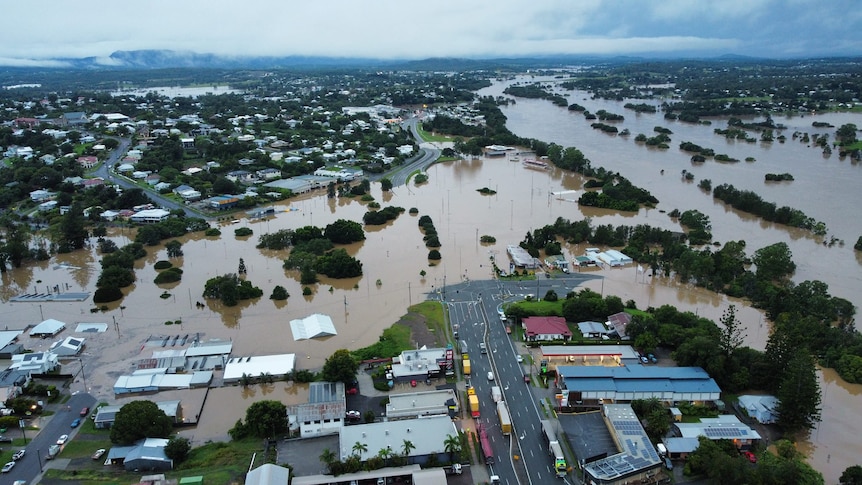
(98, 454)
(5, 439)
(652, 358)
(353, 415)
(8, 467)
(84, 412)
(519, 358)
(63, 439)
(76, 422)
(18, 455)
(750, 456)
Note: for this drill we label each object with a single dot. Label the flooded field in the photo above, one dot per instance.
(393, 256)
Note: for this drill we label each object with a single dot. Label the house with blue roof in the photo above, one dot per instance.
(594, 385)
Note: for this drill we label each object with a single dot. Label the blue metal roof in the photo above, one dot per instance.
(637, 378)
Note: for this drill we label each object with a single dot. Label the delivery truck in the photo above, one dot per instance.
(474, 402)
(505, 422)
(496, 394)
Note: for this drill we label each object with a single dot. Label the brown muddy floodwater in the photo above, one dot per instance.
(394, 255)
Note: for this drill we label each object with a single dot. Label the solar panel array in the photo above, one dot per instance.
(650, 450)
(727, 433)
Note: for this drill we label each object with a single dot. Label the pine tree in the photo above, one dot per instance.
(799, 394)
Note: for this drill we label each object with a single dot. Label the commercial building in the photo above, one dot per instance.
(599, 384)
(324, 413)
(637, 460)
(277, 366)
(428, 435)
(418, 404)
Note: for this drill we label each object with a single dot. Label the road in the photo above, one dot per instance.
(473, 306)
(31, 465)
(106, 172)
(427, 155)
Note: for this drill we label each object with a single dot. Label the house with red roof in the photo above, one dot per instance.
(546, 328)
(88, 161)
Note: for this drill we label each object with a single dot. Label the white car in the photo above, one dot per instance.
(63, 439)
(490, 376)
(8, 467)
(18, 455)
(519, 358)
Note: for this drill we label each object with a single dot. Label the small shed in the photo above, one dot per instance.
(676, 415)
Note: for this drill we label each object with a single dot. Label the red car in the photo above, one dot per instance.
(750, 456)
(353, 391)
(85, 411)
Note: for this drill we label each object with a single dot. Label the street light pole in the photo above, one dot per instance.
(83, 377)
(39, 457)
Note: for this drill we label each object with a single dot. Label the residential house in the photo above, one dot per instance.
(546, 328)
(268, 174)
(147, 454)
(40, 195)
(87, 161)
(241, 176)
(150, 216)
(35, 362)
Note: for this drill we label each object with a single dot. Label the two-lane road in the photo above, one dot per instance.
(31, 465)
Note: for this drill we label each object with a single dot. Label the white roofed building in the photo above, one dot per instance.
(277, 366)
(312, 326)
(427, 435)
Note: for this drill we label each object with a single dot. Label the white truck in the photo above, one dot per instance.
(496, 394)
(53, 451)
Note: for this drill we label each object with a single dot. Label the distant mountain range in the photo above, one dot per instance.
(166, 59)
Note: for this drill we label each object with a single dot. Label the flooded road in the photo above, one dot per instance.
(393, 255)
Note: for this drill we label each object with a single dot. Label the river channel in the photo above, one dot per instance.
(393, 256)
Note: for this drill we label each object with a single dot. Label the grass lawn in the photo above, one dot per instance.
(219, 464)
(433, 313)
(430, 136)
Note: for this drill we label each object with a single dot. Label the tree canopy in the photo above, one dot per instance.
(340, 367)
(140, 419)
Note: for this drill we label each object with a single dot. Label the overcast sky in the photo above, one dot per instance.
(412, 29)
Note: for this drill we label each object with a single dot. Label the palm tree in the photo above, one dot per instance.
(385, 454)
(408, 446)
(327, 456)
(452, 445)
(359, 448)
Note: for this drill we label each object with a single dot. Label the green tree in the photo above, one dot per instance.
(266, 419)
(328, 457)
(551, 295)
(774, 262)
(174, 248)
(846, 134)
(852, 475)
(359, 448)
(178, 449)
(137, 420)
(340, 367)
(338, 264)
(73, 230)
(343, 231)
(452, 445)
(386, 184)
(731, 337)
(798, 394)
(279, 293)
(115, 277)
(406, 447)
(385, 454)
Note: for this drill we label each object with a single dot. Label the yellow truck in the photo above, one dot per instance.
(465, 362)
(474, 402)
(505, 421)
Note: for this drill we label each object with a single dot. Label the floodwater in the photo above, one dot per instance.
(178, 91)
(393, 255)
